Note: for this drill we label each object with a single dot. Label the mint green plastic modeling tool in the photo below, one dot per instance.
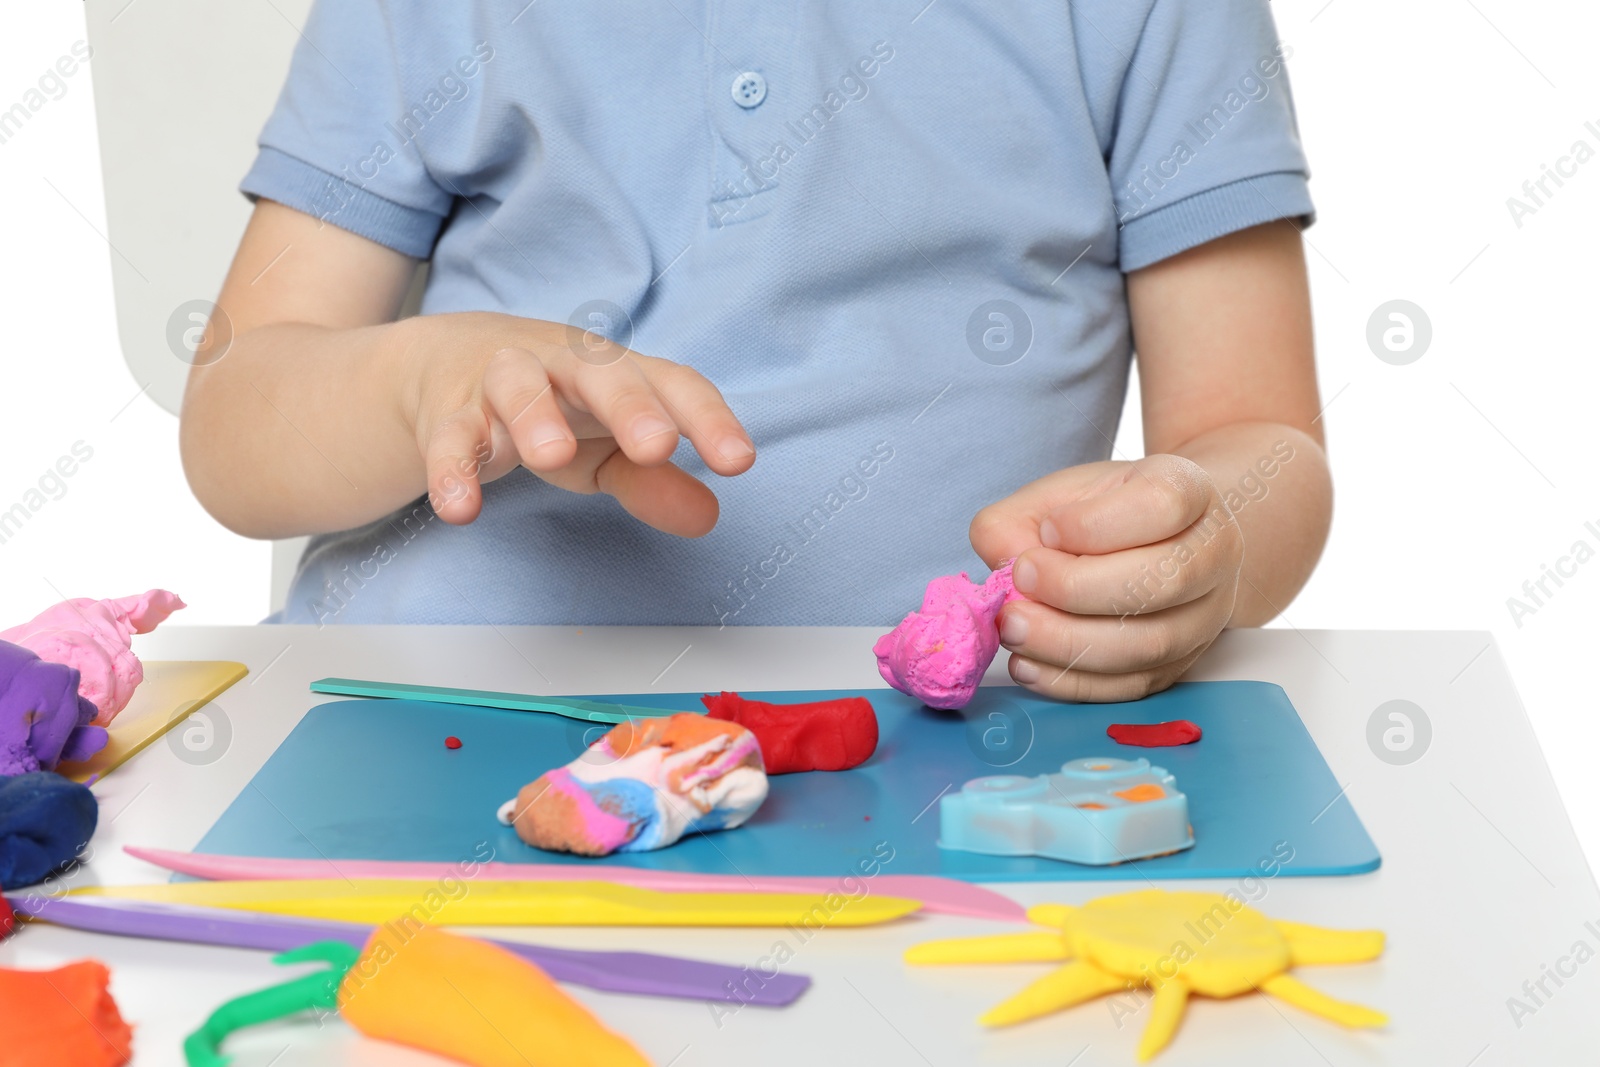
(571, 707)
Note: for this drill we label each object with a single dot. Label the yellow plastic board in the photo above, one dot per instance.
(170, 692)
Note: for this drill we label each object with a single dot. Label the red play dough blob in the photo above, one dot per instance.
(452, 742)
(826, 735)
(1155, 735)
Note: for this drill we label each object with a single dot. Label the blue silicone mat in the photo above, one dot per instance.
(373, 780)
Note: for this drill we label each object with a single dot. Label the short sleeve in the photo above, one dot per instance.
(1205, 141)
(331, 149)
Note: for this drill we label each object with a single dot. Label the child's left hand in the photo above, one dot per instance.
(1130, 569)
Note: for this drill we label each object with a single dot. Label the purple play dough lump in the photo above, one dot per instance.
(43, 720)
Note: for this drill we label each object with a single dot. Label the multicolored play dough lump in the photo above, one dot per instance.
(643, 786)
(939, 654)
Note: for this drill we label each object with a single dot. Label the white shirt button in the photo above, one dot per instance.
(749, 89)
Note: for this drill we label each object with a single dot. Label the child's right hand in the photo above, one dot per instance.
(493, 392)
(313, 407)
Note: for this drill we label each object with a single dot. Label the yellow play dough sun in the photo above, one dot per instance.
(1171, 943)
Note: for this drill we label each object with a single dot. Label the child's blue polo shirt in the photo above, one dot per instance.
(893, 234)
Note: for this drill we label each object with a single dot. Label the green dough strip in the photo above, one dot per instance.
(316, 991)
(571, 707)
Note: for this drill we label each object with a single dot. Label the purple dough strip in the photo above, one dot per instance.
(642, 973)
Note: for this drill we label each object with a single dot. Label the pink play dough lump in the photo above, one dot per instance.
(96, 638)
(939, 654)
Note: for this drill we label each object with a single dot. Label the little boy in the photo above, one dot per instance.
(905, 249)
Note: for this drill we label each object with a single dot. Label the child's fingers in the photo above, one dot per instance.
(1008, 528)
(1106, 644)
(1145, 579)
(456, 452)
(1157, 498)
(701, 414)
(519, 392)
(1087, 687)
(663, 496)
(617, 394)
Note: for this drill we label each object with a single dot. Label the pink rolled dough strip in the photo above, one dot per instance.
(943, 895)
(95, 637)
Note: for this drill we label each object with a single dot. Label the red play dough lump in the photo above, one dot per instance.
(1155, 735)
(452, 742)
(826, 735)
(64, 1018)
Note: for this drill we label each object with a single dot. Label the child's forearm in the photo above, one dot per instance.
(307, 429)
(1275, 480)
(299, 429)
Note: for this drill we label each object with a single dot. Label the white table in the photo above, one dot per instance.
(1483, 882)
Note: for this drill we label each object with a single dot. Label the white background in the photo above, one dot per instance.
(1459, 476)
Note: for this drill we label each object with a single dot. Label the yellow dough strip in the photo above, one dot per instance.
(1318, 944)
(1166, 1012)
(1072, 984)
(507, 903)
(1302, 996)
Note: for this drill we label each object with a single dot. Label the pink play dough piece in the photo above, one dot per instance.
(96, 638)
(939, 654)
(944, 895)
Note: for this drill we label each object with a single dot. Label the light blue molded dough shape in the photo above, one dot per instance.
(1089, 813)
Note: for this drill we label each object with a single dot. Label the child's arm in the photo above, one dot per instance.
(322, 413)
(1136, 567)
(1228, 379)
